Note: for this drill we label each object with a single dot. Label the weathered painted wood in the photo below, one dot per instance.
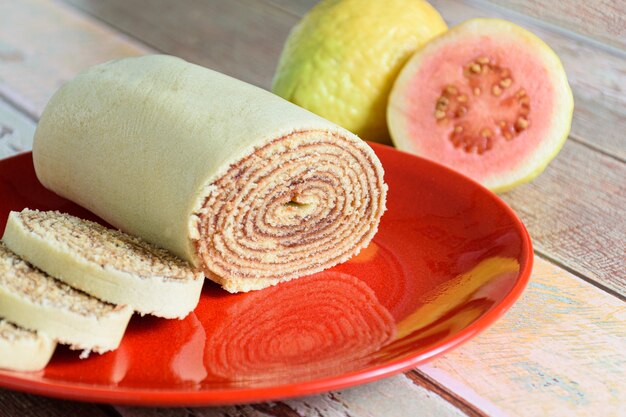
(16, 131)
(597, 75)
(14, 404)
(604, 20)
(43, 44)
(576, 214)
(296, 7)
(242, 38)
(377, 399)
(560, 351)
(424, 380)
(374, 400)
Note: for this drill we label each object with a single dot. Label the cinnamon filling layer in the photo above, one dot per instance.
(299, 204)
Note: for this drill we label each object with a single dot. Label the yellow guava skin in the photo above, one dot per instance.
(341, 60)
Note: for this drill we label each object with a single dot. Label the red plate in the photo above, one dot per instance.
(449, 259)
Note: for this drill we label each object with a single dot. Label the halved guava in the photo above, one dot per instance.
(487, 98)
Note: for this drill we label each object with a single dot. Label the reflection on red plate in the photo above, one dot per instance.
(316, 326)
(449, 258)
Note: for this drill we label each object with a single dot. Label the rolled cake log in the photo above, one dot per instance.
(237, 181)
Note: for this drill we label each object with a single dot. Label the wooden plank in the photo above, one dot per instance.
(604, 20)
(16, 131)
(39, 53)
(242, 38)
(562, 219)
(560, 351)
(597, 75)
(379, 399)
(296, 7)
(576, 214)
(25, 405)
(372, 400)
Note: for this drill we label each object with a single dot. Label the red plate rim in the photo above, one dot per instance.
(160, 397)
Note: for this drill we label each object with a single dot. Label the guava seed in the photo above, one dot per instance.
(452, 90)
(521, 123)
(483, 74)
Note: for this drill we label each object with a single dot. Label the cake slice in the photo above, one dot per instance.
(32, 299)
(105, 263)
(23, 350)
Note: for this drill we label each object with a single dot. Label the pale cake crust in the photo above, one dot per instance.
(34, 300)
(105, 263)
(24, 350)
(147, 161)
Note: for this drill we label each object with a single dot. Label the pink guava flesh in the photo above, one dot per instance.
(486, 110)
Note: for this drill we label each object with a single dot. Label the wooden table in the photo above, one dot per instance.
(561, 350)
